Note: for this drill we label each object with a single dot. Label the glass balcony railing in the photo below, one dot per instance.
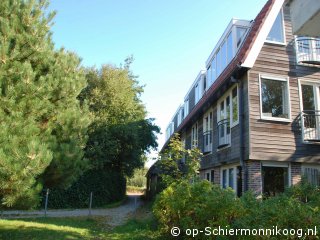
(308, 50)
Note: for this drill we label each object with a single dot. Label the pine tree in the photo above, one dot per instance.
(42, 125)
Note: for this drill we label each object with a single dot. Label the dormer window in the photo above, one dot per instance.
(240, 35)
(276, 34)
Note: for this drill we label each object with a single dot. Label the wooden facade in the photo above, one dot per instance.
(266, 146)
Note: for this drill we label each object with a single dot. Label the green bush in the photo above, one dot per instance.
(106, 186)
(202, 204)
(197, 205)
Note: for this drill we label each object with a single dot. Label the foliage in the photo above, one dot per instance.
(202, 204)
(106, 186)
(196, 205)
(42, 125)
(177, 163)
(119, 134)
(138, 179)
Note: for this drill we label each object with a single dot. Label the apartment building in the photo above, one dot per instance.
(255, 110)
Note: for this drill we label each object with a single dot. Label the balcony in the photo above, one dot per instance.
(310, 125)
(207, 141)
(224, 133)
(308, 50)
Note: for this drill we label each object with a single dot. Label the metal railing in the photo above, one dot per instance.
(207, 141)
(224, 133)
(308, 50)
(310, 125)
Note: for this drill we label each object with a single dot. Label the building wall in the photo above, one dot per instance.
(279, 141)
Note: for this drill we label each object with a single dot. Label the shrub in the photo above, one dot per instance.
(202, 204)
(107, 187)
(197, 205)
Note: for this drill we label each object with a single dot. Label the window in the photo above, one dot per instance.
(312, 174)
(208, 176)
(207, 132)
(227, 116)
(186, 107)
(219, 68)
(229, 48)
(197, 95)
(274, 180)
(213, 70)
(209, 77)
(223, 56)
(224, 178)
(274, 98)
(231, 177)
(194, 135)
(169, 130)
(240, 32)
(276, 33)
(235, 110)
(212, 176)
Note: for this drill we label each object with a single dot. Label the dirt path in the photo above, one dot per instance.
(115, 216)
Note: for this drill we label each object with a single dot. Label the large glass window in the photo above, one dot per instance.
(196, 91)
(240, 35)
(213, 70)
(218, 63)
(227, 116)
(276, 33)
(209, 77)
(275, 180)
(223, 55)
(229, 48)
(274, 98)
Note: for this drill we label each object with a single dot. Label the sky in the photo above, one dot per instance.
(170, 41)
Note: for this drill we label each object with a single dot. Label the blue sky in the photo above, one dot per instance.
(169, 39)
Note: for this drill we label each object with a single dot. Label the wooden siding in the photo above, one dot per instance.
(271, 140)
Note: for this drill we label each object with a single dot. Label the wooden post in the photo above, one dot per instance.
(46, 203)
(90, 204)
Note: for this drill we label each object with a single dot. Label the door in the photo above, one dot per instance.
(310, 111)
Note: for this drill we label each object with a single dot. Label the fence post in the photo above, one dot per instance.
(90, 204)
(46, 203)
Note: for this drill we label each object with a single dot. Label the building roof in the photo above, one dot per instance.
(245, 58)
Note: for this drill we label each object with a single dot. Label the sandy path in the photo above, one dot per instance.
(116, 216)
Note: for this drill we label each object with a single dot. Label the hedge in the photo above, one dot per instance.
(106, 186)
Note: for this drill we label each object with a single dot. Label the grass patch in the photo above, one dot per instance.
(141, 225)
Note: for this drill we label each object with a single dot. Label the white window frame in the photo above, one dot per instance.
(234, 167)
(283, 31)
(210, 127)
(277, 164)
(194, 135)
(223, 98)
(276, 78)
(317, 101)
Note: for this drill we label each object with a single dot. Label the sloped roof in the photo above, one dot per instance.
(245, 57)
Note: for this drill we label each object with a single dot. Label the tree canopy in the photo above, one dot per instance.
(43, 127)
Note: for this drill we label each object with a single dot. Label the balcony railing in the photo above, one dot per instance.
(224, 133)
(207, 141)
(308, 50)
(310, 125)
